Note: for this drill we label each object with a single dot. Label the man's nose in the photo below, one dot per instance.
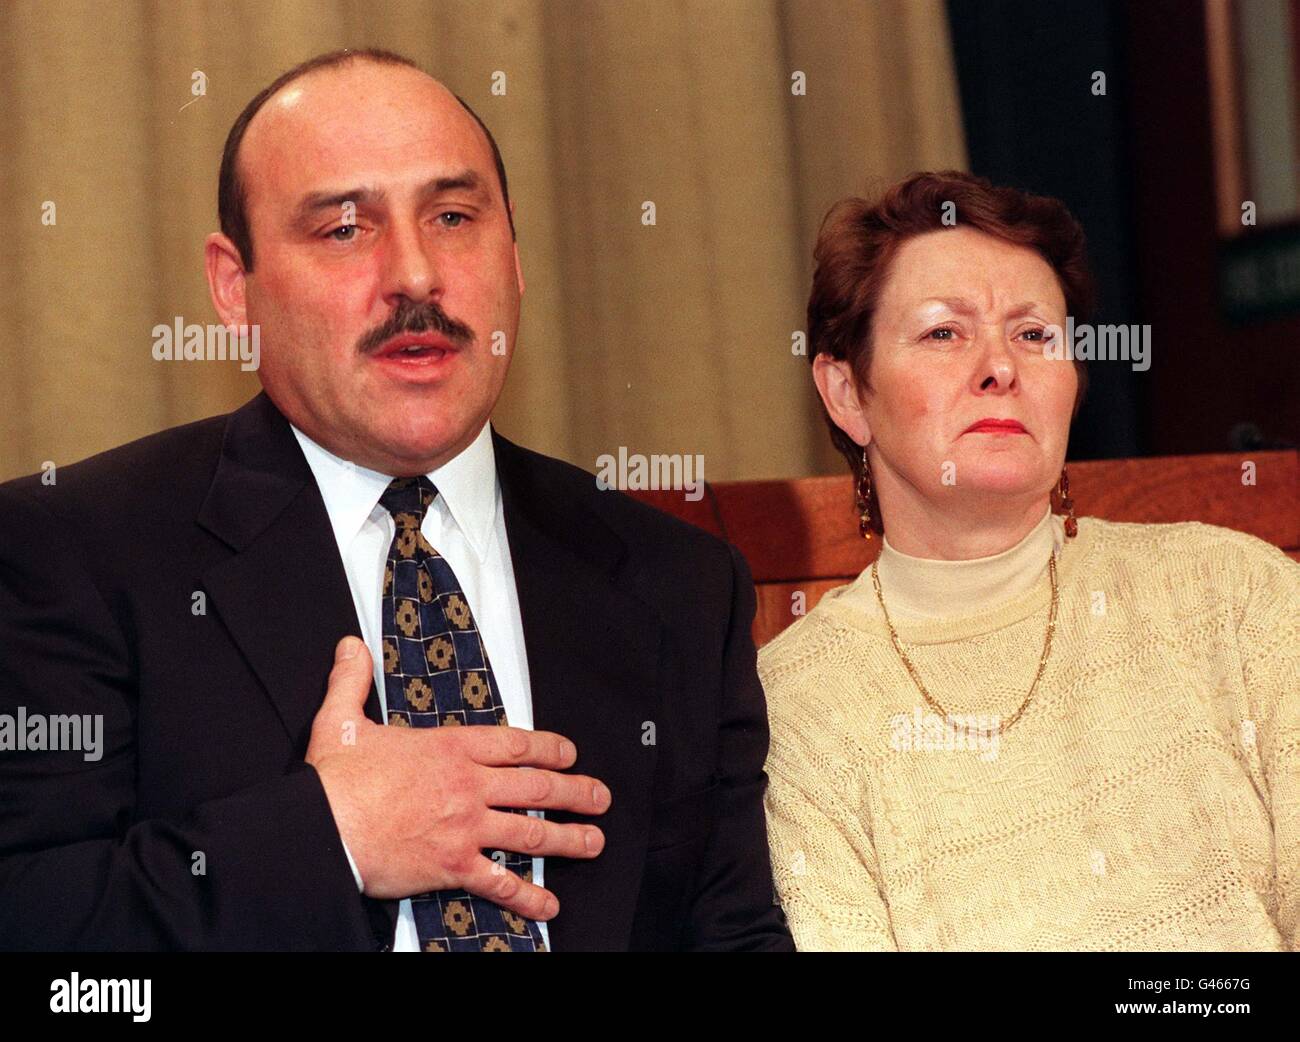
(411, 266)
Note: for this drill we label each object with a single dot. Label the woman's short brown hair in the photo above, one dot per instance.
(859, 240)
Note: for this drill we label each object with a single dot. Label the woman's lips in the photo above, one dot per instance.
(991, 426)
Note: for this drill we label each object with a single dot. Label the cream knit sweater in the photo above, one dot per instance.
(1149, 798)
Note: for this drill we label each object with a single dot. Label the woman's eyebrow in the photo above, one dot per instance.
(1025, 307)
(956, 303)
(965, 306)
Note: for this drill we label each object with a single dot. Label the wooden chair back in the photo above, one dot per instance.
(800, 535)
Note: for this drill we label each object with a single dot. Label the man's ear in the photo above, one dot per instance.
(838, 388)
(519, 268)
(226, 278)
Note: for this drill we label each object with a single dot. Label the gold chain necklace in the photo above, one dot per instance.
(1042, 662)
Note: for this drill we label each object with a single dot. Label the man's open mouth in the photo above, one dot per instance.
(416, 347)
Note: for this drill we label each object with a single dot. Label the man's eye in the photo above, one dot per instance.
(452, 219)
(342, 228)
(942, 333)
(1033, 334)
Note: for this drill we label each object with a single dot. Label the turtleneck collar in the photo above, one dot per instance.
(922, 588)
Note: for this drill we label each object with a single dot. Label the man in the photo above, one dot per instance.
(290, 620)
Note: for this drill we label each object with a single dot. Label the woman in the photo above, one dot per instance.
(1016, 731)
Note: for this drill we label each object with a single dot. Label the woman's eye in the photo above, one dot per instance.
(942, 333)
(1033, 334)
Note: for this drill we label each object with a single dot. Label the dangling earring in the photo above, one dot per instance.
(1067, 504)
(864, 497)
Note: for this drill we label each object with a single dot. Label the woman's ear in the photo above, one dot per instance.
(838, 388)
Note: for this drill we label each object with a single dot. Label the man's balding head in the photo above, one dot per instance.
(232, 193)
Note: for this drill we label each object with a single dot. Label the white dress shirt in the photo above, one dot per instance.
(466, 524)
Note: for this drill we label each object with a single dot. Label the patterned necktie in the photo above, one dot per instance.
(436, 674)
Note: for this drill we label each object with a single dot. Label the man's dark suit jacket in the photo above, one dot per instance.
(637, 629)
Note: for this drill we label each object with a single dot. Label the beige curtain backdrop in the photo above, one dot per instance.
(668, 338)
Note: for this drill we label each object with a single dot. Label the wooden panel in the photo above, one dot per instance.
(801, 535)
(795, 530)
(1197, 488)
(777, 604)
(805, 528)
(702, 513)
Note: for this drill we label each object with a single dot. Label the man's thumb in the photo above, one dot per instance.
(350, 678)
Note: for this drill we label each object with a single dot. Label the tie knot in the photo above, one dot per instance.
(407, 499)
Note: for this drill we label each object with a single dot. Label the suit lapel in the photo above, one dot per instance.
(592, 652)
(283, 594)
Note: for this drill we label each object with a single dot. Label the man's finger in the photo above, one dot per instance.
(492, 880)
(536, 837)
(545, 789)
(495, 746)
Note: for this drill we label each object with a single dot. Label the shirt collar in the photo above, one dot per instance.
(467, 484)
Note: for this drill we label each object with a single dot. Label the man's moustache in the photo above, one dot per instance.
(426, 322)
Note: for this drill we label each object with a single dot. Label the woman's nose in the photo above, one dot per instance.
(1001, 373)
(997, 369)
